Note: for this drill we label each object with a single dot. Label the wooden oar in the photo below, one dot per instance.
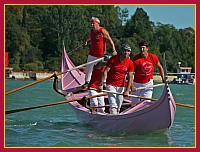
(185, 105)
(52, 104)
(59, 73)
(152, 99)
(133, 96)
(152, 86)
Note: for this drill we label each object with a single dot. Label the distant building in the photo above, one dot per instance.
(183, 70)
(184, 75)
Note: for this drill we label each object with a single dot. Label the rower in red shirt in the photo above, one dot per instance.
(144, 63)
(93, 86)
(116, 69)
(98, 37)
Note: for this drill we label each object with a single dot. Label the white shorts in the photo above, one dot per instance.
(98, 101)
(115, 101)
(147, 93)
(89, 67)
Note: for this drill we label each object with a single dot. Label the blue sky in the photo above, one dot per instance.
(181, 16)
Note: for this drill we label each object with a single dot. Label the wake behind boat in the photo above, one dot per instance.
(141, 118)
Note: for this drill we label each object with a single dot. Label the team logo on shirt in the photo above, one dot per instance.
(124, 68)
(147, 68)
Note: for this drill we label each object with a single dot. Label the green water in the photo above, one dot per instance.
(57, 126)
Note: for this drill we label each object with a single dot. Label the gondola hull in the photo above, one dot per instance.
(141, 118)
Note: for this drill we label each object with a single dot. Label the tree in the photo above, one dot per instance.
(35, 35)
(139, 26)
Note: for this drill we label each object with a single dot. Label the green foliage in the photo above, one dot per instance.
(35, 35)
(34, 66)
(139, 26)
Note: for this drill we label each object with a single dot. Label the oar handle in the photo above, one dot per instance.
(82, 65)
(152, 86)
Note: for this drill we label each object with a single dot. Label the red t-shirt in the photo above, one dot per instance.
(144, 67)
(98, 43)
(95, 78)
(118, 70)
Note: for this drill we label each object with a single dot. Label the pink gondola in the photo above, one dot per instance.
(142, 118)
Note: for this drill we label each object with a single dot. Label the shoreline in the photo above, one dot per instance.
(40, 75)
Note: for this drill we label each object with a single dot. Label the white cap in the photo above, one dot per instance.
(96, 20)
(127, 47)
